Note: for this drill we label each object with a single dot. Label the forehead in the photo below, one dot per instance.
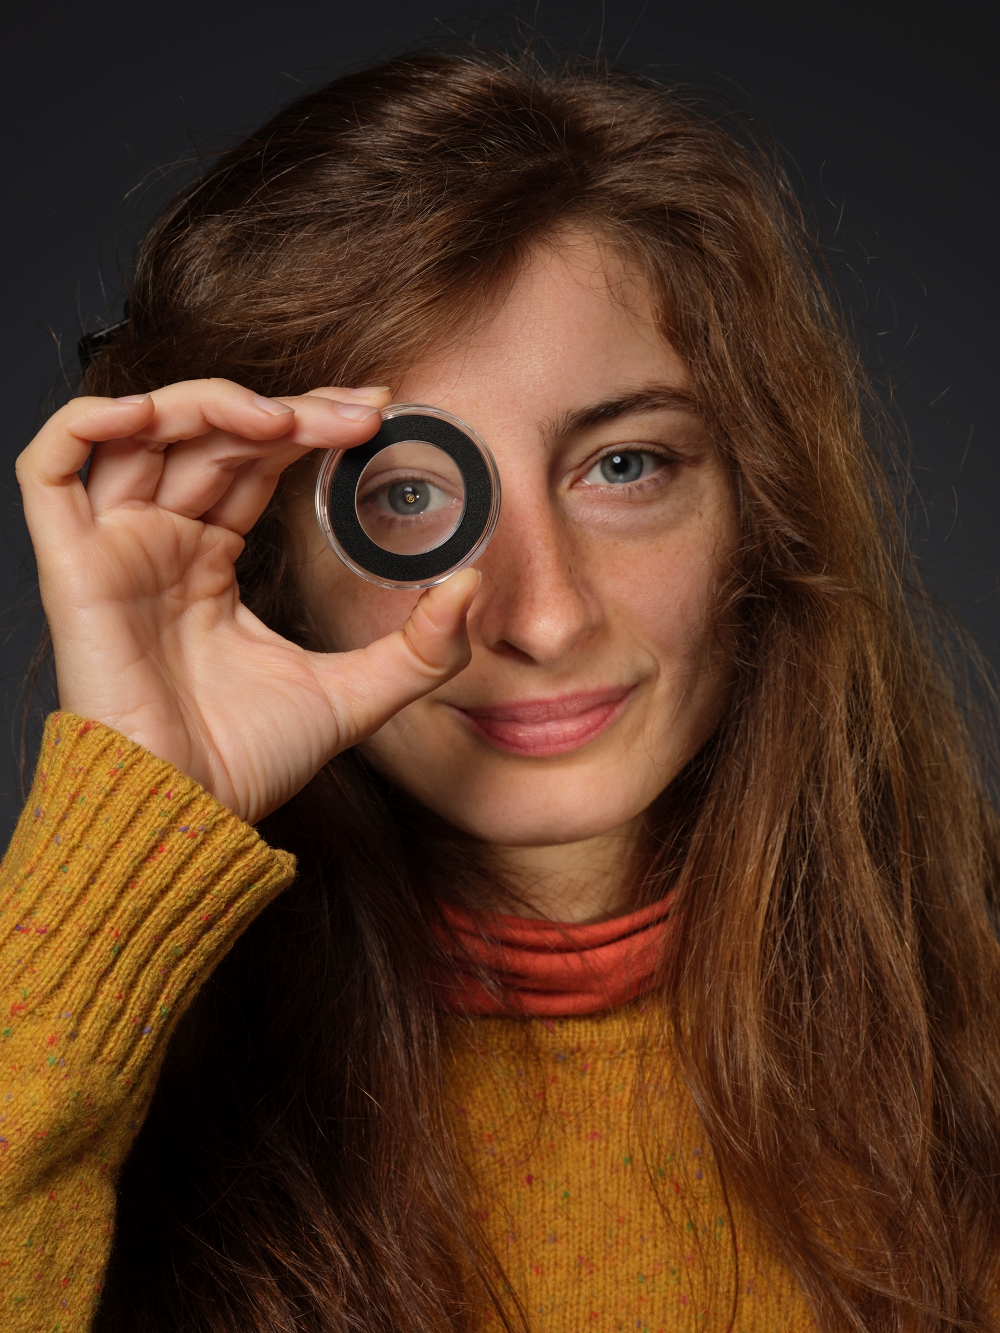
(577, 325)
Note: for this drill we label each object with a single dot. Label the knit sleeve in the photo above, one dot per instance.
(124, 885)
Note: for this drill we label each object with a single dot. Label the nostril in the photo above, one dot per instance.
(504, 648)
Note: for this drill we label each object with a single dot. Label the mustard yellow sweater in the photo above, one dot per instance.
(124, 885)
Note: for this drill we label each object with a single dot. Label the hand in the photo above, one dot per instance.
(137, 579)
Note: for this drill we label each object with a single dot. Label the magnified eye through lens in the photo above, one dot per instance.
(410, 498)
(416, 503)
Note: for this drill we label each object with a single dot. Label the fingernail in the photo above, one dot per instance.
(355, 411)
(133, 398)
(269, 405)
(369, 392)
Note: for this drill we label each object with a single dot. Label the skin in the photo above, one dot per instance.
(586, 589)
(137, 579)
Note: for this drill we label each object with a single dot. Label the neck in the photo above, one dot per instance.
(576, 882)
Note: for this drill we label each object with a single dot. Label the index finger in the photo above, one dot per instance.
(322, 418)
(48, 468)
(180, 411)
(175, 464)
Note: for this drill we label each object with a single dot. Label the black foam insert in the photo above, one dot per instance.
(429, 564)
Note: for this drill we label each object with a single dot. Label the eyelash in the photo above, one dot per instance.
(657, 479)
(382, 483)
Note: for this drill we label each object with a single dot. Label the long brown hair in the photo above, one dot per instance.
(833, 992)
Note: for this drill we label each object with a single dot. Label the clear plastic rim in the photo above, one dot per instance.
(329, 466)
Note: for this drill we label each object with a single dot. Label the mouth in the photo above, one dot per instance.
(546, 726)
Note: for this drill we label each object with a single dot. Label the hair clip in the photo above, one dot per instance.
(92, 343)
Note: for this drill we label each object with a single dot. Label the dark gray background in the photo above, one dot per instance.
(888, 111)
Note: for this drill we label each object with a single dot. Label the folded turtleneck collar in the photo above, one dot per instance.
(549, 969)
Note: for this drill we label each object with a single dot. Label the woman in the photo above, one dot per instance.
(638, 969)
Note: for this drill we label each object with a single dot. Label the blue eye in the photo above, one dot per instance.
(409, 497)
(623, 467)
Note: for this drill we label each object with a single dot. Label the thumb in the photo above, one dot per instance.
(368, 686)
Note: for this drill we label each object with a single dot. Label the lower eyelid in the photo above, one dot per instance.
(644, 483)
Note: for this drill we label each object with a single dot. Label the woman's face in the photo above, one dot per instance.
(596, 673)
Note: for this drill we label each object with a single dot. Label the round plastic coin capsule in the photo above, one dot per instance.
(416, 503)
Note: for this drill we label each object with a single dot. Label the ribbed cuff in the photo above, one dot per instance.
(124, 884)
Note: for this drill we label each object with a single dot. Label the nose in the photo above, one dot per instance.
(534, 603)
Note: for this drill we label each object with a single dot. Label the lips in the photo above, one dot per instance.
(546, 726)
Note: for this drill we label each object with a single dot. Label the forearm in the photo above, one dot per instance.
(124, 885)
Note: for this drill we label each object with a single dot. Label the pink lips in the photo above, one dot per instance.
(547, 726)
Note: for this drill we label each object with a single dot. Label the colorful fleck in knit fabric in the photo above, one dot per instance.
(124, 886)
(602, 1221)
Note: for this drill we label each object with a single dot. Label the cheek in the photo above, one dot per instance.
(671, 621)
(670, 608)
(664, 594)
(349, 612)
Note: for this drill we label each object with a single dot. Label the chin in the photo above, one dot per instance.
(528, 803)
(526, 827)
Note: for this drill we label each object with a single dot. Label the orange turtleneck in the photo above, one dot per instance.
(546, 969)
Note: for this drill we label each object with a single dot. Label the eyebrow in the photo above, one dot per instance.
(655, 398)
